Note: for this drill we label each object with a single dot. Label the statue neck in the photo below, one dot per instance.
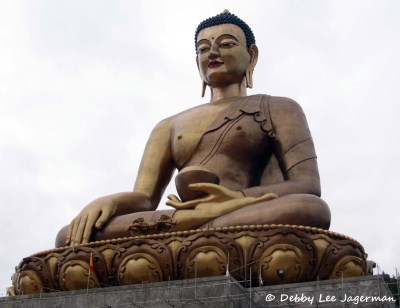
(232, 90)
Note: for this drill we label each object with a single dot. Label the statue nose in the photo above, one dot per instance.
(214, 52)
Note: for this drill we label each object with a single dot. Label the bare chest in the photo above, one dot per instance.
(188, 128)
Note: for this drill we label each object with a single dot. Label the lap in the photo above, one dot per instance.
(117, 227)
(294, 209)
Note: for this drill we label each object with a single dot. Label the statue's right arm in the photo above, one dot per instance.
(155, 172)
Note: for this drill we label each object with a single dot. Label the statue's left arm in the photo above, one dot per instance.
(294, 150)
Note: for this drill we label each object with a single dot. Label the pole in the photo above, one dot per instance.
(90, 270)
(250, 288)
(195, 277)
(398, 285)
(88, 279)
(343, 289)
(379, 283)
(40, 296)
(245, 267)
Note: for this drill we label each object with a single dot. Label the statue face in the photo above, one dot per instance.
(222, 55)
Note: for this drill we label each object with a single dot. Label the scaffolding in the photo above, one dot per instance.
(220, 291)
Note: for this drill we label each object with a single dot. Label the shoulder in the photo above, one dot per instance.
(282, 108)
(277, 103)
(283, 113)
(171, 120)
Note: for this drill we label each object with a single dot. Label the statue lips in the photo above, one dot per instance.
(215, 64)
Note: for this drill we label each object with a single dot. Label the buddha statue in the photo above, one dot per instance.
(248, 185)
(242, 160)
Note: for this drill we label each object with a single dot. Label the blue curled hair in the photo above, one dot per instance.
(226, 18)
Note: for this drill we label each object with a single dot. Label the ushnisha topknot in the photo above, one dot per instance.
(226, 18)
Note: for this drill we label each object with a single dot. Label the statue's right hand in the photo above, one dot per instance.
(94, 215)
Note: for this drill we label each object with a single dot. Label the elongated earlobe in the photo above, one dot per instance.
(249, 78)
(253, 51)
(203, 90)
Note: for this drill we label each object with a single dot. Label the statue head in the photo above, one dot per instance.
(226, 51)
(226, 18)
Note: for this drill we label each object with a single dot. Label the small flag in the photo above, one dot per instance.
(227, 267)
(260, 280)
(91, 262)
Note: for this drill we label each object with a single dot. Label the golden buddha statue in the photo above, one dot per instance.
(249, 193)
(242, 160)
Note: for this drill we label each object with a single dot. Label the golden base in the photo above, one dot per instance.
(271, 254)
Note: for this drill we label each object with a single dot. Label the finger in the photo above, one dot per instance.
(74, 228)
(104, 217)
(81, 228)
(205, 187)
(267, 197)
(173, 198)
(215, 191)
(88, 229)
(173, 204)
(181, 205)
(69, 233)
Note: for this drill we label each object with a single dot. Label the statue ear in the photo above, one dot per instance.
(204, 85)
(253, 51)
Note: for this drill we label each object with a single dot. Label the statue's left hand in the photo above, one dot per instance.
(215, 193)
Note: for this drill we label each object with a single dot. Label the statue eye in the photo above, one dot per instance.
(203, 49)
(228, 44)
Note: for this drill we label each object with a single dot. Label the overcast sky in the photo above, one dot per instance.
(82, 83)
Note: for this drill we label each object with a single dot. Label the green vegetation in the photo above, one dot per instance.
(393, 284)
